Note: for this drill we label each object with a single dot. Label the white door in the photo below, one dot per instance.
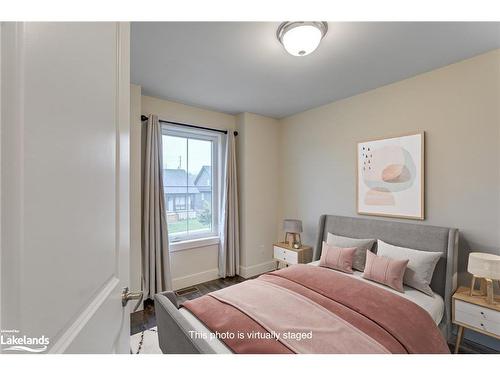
(64, 186)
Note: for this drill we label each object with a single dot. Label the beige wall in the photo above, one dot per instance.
(258, 163)
(178, 112)
(458, 108)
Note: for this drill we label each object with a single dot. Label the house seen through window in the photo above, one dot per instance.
(190, 183)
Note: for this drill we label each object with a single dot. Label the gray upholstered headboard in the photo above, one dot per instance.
(414, 236)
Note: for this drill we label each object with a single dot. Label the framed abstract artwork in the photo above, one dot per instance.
(390, 177)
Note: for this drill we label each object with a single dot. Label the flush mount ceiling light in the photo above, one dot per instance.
(300, 38)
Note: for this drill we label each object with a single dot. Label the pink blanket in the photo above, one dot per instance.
(320, 311)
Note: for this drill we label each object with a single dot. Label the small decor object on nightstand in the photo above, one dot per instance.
(486, 268)
(292, 229)
(288, 255)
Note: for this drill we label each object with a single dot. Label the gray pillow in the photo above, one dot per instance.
(420, 267)
(360, 244)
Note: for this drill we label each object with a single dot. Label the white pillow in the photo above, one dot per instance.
(420, 267)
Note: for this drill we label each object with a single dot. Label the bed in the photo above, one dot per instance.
(190, 328)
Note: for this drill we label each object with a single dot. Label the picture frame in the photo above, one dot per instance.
(390, 176)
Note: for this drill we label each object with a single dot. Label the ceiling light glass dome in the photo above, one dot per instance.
(300, 38)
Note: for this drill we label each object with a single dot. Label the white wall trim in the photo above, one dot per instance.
(257, 269)
(213, 274)
(193, 244)
(195, 278)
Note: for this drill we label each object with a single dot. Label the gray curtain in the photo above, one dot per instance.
(229, 246)
(155, 253)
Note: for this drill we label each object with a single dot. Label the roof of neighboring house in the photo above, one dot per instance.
(174, 181)
(204, 178)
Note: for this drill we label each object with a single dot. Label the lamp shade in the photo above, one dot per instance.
(292, 226)
(484, 265)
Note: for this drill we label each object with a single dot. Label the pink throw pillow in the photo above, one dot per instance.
(337, 258)
(385, 270)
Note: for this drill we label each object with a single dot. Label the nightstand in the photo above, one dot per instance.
(287, 255)
(473, 312)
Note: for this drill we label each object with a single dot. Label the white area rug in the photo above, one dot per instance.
(145, 342)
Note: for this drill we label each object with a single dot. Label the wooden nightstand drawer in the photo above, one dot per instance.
(279, 253)
(285, 255)
(291, 257)
(288, 255)
(477, 321)
(479, 311)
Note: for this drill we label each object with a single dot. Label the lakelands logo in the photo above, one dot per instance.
(12, 341)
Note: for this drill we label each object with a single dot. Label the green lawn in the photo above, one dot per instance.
(181, 226)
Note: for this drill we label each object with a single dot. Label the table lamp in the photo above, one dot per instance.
(485, 267)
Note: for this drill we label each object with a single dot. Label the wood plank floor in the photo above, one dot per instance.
(145, 319)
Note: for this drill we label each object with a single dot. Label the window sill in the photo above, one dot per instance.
(193, 244)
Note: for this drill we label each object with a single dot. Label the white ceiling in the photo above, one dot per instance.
(239, 67)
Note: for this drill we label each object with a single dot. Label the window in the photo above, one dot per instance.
(190, 182)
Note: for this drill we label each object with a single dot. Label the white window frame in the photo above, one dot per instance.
(178, 241)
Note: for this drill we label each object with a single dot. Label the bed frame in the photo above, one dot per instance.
(173, 327)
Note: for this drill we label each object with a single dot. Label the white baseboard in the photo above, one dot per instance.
(195, 278)
(212, 274)
(257, 269)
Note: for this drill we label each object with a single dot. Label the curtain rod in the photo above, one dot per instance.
(145, 118)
